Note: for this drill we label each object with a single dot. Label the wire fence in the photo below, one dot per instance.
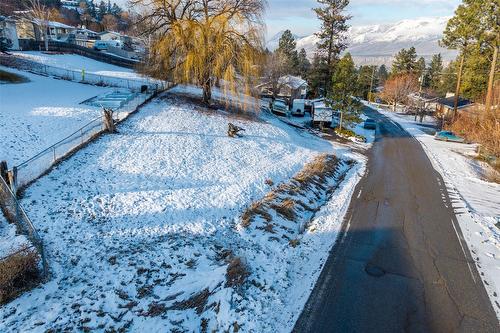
(15, 213)
(39, 164)
(82, 76)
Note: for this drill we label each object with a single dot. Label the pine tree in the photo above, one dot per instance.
(304, 64)
(344, 86)
(382, 74)
(332, 36)
(435, 69)
(318, 75)
(287, 49)
(405, 61)
(367, 81)
(460, 34)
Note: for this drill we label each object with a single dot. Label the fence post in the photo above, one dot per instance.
(12, 175)
(3, 170)
(54, 153)
(109, 124)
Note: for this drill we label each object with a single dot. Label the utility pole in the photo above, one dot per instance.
(457, 90)
(489, 95)
(371, 85)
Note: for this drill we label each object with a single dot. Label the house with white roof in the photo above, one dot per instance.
(289, 87)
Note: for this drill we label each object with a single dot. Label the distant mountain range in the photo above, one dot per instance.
(377, 44)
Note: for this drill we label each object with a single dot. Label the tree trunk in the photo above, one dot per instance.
(489, 95)
(457, 90)
(46, 38)
(394, 106)
(207, 92)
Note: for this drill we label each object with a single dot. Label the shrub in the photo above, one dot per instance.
(18, 272)
(236, 273)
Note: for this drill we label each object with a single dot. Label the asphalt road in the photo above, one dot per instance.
(401, 263)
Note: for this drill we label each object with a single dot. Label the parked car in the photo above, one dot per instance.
(370, 124)
(448, 136)
(280, 107)
(298, 107)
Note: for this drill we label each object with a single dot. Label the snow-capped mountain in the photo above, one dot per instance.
(377, 44)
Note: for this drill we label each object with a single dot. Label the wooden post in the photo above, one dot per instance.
(12, 176)
(3, 170)
(457, 90)
(491, 78)
(109, 123)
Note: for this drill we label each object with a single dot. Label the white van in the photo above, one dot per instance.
(299, 107)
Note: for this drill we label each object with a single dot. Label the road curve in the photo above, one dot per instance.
(401, 263)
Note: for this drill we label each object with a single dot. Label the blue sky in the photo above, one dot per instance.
(297, 15)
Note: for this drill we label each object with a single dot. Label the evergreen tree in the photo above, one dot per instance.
(448, 80)
(460, 34)
(287, 49)
(318, 75)
(332, 36)
(382, 74)
(435, 69)
(101, 11)
(367, 81)
(344, 86)
(304, 64)
(405, 61)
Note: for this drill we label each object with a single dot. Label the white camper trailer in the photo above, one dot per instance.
(322, 114)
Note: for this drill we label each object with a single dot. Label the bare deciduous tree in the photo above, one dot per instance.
(41, 15)
(397, 89)
(202, 41)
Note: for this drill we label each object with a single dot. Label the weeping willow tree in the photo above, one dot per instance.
(205, 42)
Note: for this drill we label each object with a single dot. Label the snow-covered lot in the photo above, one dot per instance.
(140, 226)
(79, 63)
(475, 200)
(36, 114)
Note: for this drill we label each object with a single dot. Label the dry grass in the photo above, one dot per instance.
(197, 301)
(18, 272)
(477, 126)
(257, 208)
(285, 208)
(314, 174)
(236, 273)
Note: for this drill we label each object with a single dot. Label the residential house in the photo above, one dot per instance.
(424, 101)
(289, 88)
(445, 106)
(8, 30)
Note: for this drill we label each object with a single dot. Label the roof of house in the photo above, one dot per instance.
(450, 102)
(423, 96)
(293, 82)
(55, 24)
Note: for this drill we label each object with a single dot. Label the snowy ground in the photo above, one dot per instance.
(78, 63)
(476, 201)
(9, 241)
(36, 114)
(138, 227)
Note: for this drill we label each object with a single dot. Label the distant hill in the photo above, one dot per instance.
(377, 44)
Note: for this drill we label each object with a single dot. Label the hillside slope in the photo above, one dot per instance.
(144, 229)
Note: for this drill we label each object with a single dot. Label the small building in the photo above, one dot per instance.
(8, 30)
(425, 101)
(113, 35)
(289, 88)
(445, 106)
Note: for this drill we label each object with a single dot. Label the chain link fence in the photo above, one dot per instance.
(82, 76)
(34, 167)
(15, 213)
